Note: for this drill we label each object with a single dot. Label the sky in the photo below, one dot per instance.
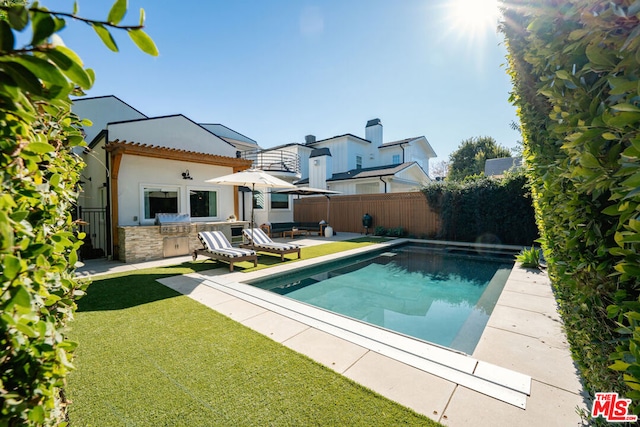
(278, 70)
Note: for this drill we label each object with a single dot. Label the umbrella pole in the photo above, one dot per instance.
(253, 195)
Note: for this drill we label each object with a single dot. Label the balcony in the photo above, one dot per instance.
(279, 162)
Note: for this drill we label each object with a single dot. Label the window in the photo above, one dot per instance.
(358, 162)
(203, 204)
(258, 200)
(279, 201)
(159, 200)
(396, 159)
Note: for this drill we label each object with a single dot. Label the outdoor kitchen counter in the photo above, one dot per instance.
(149, 242)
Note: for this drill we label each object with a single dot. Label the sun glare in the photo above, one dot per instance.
(473, 18)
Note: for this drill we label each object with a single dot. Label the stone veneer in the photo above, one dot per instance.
(146, 243)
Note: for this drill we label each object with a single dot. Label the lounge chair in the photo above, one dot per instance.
(259, 241)
(217, 246)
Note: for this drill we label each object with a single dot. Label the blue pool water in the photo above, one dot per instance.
(427, 293)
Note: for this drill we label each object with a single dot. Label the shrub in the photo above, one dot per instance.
(38, 243)
(380, 231)
(529, 258)
(484, 210)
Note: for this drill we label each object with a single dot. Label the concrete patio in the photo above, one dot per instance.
(524, 339)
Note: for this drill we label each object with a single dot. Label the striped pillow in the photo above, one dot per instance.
(213, 240)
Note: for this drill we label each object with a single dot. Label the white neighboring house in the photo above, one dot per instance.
(138, 166)
(354, 165)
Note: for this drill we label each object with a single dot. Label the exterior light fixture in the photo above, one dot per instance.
(185, 175)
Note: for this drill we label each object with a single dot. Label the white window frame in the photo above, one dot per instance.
(209, 189)
(393, 159)
(288, 208)
(158, 187)
(358, 163)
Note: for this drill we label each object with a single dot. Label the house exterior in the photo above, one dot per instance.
(138, 166)
(498, 167)
(355, 165)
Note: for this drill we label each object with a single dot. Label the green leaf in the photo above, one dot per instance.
(7, 41)
(45, 70)
(105, 36)
(40, 147)
(626, 107)
(588, 160)
(142, 16)
(71, 65)
(619, 365)
(11, 266)
(609, 136)
(20, 297)
(18, 17)
(633, 181)
(117, 12)
(24, 78)
(43, 26)
(144, 42)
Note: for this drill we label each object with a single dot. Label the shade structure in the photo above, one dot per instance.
(251, 178)
(310, 191)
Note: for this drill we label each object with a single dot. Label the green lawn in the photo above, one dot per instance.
(150, 356)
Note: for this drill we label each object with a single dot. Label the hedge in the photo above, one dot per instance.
(576, 72)
(485, 210)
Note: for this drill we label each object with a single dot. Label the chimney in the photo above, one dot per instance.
(373, 132)
(320, 168)
(309, 139)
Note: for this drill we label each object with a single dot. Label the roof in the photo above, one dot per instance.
(387, 170)
(93, 98)
(169, 117)
(224, 132)
(341, 136)
(402, 141)
(319, 152)
(499, 166)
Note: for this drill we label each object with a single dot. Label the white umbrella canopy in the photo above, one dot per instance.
(251, 178)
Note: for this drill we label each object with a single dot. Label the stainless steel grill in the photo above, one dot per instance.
(171, 223)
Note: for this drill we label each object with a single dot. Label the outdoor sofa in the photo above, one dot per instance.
(282, 228)
(216, 246)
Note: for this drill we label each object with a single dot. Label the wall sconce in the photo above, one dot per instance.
(315, 162)
(185, 175)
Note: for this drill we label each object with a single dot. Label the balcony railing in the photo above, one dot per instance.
(273, 160)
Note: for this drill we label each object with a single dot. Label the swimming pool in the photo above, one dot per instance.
(436, 294)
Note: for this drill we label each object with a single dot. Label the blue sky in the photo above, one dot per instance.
(278, 70)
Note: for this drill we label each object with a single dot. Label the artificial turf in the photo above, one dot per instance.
(149, 356)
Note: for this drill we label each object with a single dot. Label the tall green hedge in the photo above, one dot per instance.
(39, 173)
(575, 69)
(484, 210)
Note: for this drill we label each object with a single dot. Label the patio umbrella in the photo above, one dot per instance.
(310, 191)
(251, 178)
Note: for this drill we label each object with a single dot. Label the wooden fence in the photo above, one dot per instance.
(390, 210)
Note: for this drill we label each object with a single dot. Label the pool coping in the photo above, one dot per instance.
(503, 384)
(485, 374)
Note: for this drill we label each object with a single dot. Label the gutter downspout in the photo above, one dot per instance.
(385, 184)
(108, 213)
(402, 146)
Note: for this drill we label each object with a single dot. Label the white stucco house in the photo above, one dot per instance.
(139, 166)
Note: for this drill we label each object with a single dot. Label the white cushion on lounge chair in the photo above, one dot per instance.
(260, 239)
(216, 242)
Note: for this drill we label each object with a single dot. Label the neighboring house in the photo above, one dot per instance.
(354, 165)
(138, 166)
(498, 167)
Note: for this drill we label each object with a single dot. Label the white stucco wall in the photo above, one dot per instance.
(136, 172)
(172, 132)
(101, 111)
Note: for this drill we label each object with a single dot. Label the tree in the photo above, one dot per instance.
(471, 155)
(40, 172)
